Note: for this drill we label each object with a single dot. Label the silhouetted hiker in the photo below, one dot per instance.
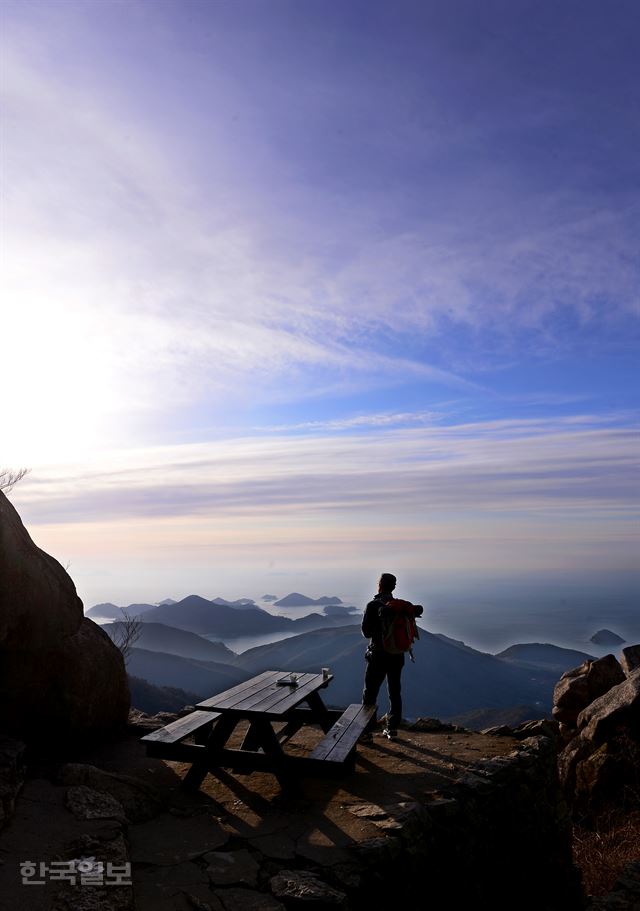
(389, 624)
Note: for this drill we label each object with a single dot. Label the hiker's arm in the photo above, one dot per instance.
(369, 620)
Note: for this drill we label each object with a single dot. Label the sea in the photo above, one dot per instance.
(491, 615)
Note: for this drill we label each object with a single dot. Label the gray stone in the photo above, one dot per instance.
(618, 708)
(575, 751)
(86, 803)
(303, 889)
(368, 811)
(187, 897)
(544, 727)
(596, 777)
(180, 887)
(570, 696)
(138, 798)
(173, 878)
(275, 847)
(232, 868)
(577, 671)
(164, 840)
(630, 659)
(500, 730)
(603, 674)
(377, 852)
(247, 900)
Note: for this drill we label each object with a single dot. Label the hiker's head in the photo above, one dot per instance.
(387, 583)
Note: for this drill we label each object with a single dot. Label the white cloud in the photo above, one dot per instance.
(137, 284)
(567, 467)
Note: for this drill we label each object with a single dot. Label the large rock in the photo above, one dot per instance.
(61, 676)
(630, 659)
(76, 689)
(39, 605)
(578, 687)
(616, 710)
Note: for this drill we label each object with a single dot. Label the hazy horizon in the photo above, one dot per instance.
(489, 614)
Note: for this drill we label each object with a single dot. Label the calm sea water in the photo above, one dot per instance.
(491, 615)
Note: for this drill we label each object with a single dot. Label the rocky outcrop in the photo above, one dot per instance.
(38, 600)
(578, 687)
(61, 677)
(600, 762)
(630, 658)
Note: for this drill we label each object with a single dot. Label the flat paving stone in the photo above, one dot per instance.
(248, 900)
(168, 840)
(232, 868)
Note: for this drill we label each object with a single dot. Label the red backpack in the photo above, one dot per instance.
(399, 630)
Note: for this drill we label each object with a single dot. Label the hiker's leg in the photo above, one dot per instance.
(395, 663)
(373, 677)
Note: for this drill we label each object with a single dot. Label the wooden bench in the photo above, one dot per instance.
(162, 743)
(339, 744)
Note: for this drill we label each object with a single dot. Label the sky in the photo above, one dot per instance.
(299, 292)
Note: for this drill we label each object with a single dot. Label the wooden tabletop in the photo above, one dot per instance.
(263, 697)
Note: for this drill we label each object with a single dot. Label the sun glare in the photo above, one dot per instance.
(57, 382)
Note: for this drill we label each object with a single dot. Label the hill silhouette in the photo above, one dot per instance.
(198, 615)
(447, 678)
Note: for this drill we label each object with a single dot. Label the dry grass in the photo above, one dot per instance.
(602, 850)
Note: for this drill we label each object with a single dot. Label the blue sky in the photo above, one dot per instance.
(296, 287)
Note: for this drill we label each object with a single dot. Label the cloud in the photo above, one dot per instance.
(162, 285)
(578, 466)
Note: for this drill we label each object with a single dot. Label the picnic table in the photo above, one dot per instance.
(264, 701)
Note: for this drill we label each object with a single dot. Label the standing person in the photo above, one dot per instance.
(381, 663)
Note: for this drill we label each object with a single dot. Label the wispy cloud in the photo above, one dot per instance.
(161, 285)
(573, 466)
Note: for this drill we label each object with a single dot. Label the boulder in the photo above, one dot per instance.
(618, 709)
(570, 696)
(630, 659)
(578, 687)
(61, 676)
(574, 753)
(597, 777)
(75, 689)
(603, 674)
(39, 606)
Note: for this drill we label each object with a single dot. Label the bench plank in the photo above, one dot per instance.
(183, 727)
(341, 740)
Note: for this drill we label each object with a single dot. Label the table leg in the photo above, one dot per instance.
(216, 739)
(320, 713)
(268, 739)
(251, 740)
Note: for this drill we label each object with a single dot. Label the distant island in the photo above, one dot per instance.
(606, 637)
(295, 599)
